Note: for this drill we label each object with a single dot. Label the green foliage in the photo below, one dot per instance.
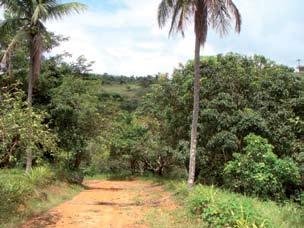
(126, 142)
(71, 176)
(22, 128)
(41, 176)
(24, 196)
(76, 111)
(14, 190)
(25, 20)
(240, 95)
(259, 171)
(136, 145)
(218, 210)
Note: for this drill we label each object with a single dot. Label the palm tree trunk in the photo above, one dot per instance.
(34, 67)
(29, 154)
(196, 107)
(35, 58)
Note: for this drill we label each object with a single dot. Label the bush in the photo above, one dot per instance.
(70, 176)
(259, 171)
(41, 176)
(22, 128)
(14, 190)
(220, 209)
(16, 187)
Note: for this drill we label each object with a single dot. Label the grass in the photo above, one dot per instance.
(34, 196)
(178, 218)
(276, 215)
(56, 194)
(125, 90)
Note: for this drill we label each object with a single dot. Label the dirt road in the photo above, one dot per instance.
(107, 204)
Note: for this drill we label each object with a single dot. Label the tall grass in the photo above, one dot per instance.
(41, 176)
(221, 208)
(18, 189)
(14, 190)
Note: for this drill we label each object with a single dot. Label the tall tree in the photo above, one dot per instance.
(27, 18)
(202, 13)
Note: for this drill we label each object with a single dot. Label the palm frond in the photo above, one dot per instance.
(217, 13)
(184, 15)
(220, 15)
(11, 24)
(58, 11)
(20, 8)
(164, 11)
(175, 12)
(40, 12)
(178, 11)
(236, 14)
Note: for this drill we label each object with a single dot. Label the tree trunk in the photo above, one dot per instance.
(78, 160)
(10, 66)
(35, 60)
(196, 106)
(29, 160)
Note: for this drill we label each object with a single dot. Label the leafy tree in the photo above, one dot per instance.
(127, 139)
(22, 129)
(240, 95)
(27, 19)
(259, 171)
(202, 13)
(137, 146)
(76, 108)
(82, 66)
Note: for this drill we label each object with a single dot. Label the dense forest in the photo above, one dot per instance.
(78, 124)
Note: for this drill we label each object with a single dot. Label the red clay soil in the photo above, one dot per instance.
(107, 204)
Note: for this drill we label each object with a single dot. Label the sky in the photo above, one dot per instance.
(123, 38)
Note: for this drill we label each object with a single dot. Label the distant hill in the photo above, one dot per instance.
(128, 91)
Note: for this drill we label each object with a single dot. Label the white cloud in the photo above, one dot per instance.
(127, 41)
(1, 13)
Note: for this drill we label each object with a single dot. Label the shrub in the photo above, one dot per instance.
(70, 176)
(259, 171)
(219, 209)
(22, 128)
(41, 176)
(14, 190)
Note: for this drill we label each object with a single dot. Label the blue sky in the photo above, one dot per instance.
(122, 36)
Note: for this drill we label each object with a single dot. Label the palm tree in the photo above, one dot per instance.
(202, 13)
(27, 18)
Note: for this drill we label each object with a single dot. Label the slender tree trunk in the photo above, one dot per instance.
(29, 160)
(78, 160)
(30, 80)
(10, 65)
(196, 107)
(35, 58)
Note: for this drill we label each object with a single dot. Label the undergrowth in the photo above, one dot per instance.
(21, 194)
(220, 208)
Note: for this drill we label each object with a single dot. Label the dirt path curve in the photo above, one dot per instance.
(107, 204)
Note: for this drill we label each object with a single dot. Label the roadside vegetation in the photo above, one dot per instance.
(23, 196)
(210, 206)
